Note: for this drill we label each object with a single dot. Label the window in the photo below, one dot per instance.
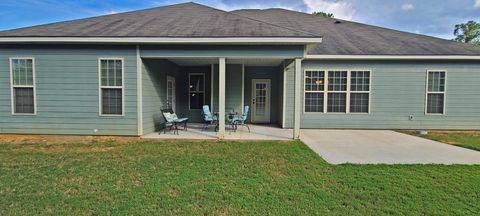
(314, 91)
(111, 87)
(359, 91)
(23, 85)
(337, 91)
(435, 92)
(196, 90)
(340, 91)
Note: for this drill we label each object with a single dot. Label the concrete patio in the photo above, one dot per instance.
(383, 147)
(197, 132)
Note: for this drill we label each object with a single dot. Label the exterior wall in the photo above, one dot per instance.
(272, 73)
(233, 88)
(289, 94)
(154, 92)
(183, 108)
(217, 51)
(397, 91)
(67, 91)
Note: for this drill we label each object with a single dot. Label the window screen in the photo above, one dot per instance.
(111, 85)
(23, 86)
(436, 92)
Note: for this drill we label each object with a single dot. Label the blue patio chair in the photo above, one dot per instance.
(241, 119)
(208, 117)
(172, 121)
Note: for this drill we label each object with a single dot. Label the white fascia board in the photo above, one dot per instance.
(393, 57)
(163, 40)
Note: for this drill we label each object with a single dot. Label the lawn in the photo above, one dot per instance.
(466, 139)
(221, 178)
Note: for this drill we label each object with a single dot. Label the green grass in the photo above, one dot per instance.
(466, 139)
(218, 178)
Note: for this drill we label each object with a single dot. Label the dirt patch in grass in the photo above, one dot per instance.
(62, 139)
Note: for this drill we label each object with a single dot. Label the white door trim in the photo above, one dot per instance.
(267, 102)
(174, 101)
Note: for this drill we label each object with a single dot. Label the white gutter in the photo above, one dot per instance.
(166, 40)
(392, 57)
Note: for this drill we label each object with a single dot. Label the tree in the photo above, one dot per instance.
(323, 14)
(468, 32)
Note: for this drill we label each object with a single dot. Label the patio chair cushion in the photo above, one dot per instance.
(180, 120)
(169, 117)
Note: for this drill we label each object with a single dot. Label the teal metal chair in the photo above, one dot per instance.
(240, 119)
(208, 117)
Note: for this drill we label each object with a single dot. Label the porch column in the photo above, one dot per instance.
(297, 106)
(221, 98)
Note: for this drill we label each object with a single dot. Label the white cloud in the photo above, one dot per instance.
(477, 4)
(341, 9)
(408, 7)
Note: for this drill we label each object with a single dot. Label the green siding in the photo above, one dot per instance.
(216, 51)
(67, 91)
(272, 73)
(397, 91)
(183, 91)
(233, 88)
(154, 91)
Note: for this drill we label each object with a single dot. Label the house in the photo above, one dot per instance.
(111, 75)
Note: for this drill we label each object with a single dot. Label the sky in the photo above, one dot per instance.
(431, 17)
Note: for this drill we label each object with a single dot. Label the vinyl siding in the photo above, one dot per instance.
(154, 91)
(398, 91)
(233, 88)
(183, 109)
(67, 91)
(228, 51)
(271, 73)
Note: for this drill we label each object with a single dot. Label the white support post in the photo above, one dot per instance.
(139, 94)
(297, 110)
(221, 98)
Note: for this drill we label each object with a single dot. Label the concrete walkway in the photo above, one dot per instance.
(383, 147)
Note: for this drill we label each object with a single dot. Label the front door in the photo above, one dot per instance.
(171, 92)
(261, 100)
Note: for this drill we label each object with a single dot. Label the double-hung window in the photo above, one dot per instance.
(359, 91)
(111, 87)
(22, 75)
(314, 91)
(337, 91)
(196, 90)
(435, 98)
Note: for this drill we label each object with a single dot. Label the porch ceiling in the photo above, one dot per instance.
(208, 61)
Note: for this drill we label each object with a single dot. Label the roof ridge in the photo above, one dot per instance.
(371, 26)
(261, 21)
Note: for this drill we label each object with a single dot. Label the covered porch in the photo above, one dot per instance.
(196, 131)
(253, 86)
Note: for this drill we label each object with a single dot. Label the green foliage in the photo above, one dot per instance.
(221, 178)
(468, 32)
(323, 14)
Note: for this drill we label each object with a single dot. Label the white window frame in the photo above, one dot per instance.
(12, 87)
(100, 87)
(189, 92)
(369, 91)
(348, 91)
(305, 91)
(429, 92)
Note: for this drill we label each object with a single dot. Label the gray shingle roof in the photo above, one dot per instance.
(191, 20)
(350, 38)
(180, 20)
